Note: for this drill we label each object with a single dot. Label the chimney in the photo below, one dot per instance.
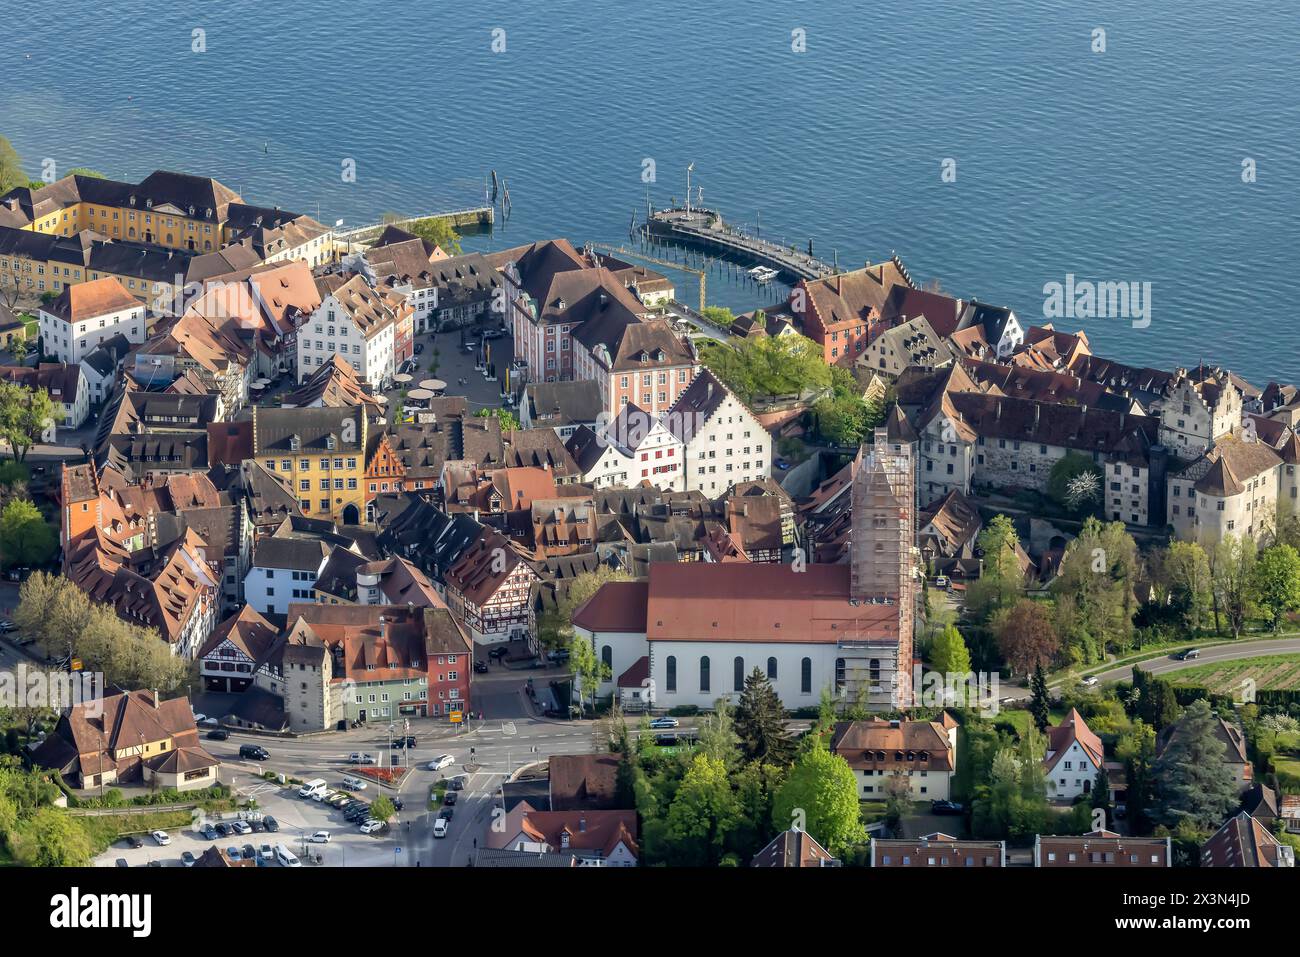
(708, 392)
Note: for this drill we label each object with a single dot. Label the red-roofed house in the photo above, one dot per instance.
(87, 314)
(597, 838)
(1074, 755)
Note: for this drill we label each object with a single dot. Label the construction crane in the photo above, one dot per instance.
(624, 251)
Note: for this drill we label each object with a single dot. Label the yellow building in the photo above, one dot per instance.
(321, 454)
(155, 236)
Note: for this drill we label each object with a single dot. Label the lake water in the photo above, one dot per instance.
(1121, 166)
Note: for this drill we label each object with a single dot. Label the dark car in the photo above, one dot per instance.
(946, 807)
(399, 742)
(221, 734)
(188, 859)
(397, 804)
(410, 741)
(222, 829)
(498, 652)
(456, 784)
(209, 832)
(446, 813)
(1189, 654)
(249, 852)
(135, 840)
(481, 667)
(419, 348)
(254, 751)
(121, 862)
(256, 826)
(271, 823)
(450, 799)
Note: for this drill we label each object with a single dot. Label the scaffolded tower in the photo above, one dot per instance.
(881, 550)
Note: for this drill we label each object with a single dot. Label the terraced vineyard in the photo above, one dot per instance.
(1270, 673)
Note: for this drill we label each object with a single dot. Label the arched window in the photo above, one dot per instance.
(771, 669)
(607, 657)
(738, 673)
(704, 672)
(671, 673)
(805, 676)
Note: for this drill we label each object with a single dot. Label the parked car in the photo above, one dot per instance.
(945, 807)
(254, 751)
(161, 838)
(241, 827)
(941, 581)
(134, 840)
(223, 829)
(558, 656)
(248, 852)
(441, 761)
(271, 824)
(498, 652)
(450, 799)
(457, 783)
(121, 862)
(480, 667)
(265, 855)
(419, 348)
(782, 464)
(188, 859)
(6, 626)
(209, 832)
(234, 853)
(664, 723)
(369, 826)
(354, 784)
(320, 837)
(221, 734)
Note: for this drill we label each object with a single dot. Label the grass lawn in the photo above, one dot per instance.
(106, 829)
(872, 811)
(1269, 672)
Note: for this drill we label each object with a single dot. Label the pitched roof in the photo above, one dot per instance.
(793, 848)
(1070, 731)
(868, 744)
(87, 300)
(1243, 841)
(583, 782)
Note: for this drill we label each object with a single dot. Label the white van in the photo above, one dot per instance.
(440, 827)
(286, 857)
(312, 788)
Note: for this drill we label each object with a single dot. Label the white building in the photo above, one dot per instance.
(283, 572)
(923, 752)
(724, 441)
(356, 323)
(1074, 755)
(635, 447)
(86, 314)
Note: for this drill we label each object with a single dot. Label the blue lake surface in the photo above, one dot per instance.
(1117, 166)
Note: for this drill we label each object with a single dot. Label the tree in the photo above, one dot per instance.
(1195, 784)
(1157, 704)
(1232, 566)
(1039, 702)
(703, 813)
(507, 418)
(588, 667)
(717, 734)
(821, 791)
(1276, 582)
(1001, 582)
(438, 231)
(1075, 482)
(760, 722)
(1185, 571)
(1026, 638)
(24, 415)
(382, 809)
(898, 800)
(51, 838)
(25, 537)
(11, 167)
(1013, 804)
(1136, 748)
(764, 366)
(948, 652)
(1094, 591)
(555, 626)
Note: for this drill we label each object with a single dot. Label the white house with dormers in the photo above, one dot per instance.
(649, 449)
(355, 322)
(87, 314)
(724, 441)
(1074, 756)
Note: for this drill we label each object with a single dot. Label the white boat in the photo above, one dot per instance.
(764, 274)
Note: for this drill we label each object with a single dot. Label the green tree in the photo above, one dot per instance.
(555, 626)
(25, 537)
(1094, 591)
(1276, 582)
(589, 668)
(1136, 749)
(50, 837)
(1157, 704)
(1232, 569)
(764, 366)
(717, 734)
(438, 231)
(508, 421)
(948, 652)
(24, 415)
(703, 814)
(1185, 570)
(822, 792)
(1001, 582)
(381, 808)
(760, 722)
(1195, 784)
(11, 167)
(1040, 705)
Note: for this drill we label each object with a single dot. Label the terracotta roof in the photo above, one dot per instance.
(616, 606)
(1245, 842)
(583, 782)
(876, 743)
(793, 848)
(1072, 729)
(86, 300)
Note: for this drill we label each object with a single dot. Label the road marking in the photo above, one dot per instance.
(508, 727)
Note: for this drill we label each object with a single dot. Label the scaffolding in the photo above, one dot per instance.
(881, 545)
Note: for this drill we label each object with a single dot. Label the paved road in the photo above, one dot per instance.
(1235, 652)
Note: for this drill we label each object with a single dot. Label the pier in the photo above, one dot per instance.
(705, 229)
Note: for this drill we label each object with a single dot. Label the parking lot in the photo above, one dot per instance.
(298, 819)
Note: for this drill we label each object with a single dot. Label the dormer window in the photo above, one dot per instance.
(330, 442)
(293, 443)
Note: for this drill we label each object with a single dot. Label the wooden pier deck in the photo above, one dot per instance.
(704, 228)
